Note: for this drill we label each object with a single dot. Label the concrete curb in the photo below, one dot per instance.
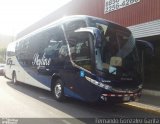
(151, 92)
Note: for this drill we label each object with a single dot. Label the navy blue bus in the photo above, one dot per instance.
(83, 57)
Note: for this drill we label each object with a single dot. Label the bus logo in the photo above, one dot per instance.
(41, 62)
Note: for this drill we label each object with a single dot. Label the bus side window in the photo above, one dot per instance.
(57, 46)
(20, 52)
(70, 27)
(80, 49)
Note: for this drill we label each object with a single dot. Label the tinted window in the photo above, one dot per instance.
(47, 47)
(79, 44)
(42, 49)
(80, 49)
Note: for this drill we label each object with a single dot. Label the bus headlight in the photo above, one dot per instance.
(99, 84)
(107, 87)
(140, 86)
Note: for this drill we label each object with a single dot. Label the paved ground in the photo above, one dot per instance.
(23, 101)
(150, 100)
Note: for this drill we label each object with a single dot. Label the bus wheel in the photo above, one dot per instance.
(58, 90)
(14, 78)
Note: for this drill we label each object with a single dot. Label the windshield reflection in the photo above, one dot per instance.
(117, 54)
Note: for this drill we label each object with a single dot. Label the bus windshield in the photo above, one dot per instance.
(117, 55)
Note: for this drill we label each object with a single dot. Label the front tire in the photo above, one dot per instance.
(58, 90)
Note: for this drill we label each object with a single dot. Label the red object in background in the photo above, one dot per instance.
(141, 12)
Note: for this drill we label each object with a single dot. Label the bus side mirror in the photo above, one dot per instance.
(98, 38)
(145, 46)
(96, 33)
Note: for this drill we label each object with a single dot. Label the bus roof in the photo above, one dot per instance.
(62, 20)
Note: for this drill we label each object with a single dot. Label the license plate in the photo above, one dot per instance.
(126, 98)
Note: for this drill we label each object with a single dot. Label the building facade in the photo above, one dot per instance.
(142, 17)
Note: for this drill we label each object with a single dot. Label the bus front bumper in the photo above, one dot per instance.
(126, 97)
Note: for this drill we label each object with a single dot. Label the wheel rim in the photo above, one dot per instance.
(58, 90)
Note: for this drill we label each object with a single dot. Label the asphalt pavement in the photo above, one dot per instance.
(29, 103)
(150, 100)
(147, 102)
